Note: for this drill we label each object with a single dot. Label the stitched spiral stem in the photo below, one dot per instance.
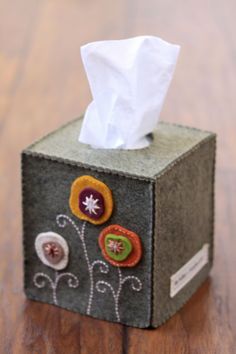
(62, 221)
(102, 287)
(39, 282)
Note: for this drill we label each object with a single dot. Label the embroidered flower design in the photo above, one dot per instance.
(91, 200)
(52, 249)
(53, 252)
(115, 247)
(91, 204)
(120, 247)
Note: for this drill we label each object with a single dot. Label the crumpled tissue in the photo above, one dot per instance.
(129, 80)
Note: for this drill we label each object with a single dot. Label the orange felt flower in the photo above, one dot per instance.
(120, 247)
(91, 200)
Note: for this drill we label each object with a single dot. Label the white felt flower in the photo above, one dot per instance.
(52, 249)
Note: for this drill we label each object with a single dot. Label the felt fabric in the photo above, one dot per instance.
(117, 248)
(184, 205)
(170, 141)
(79, 185)
(46, 192)
(164, 194)
(52, 250)
(136, 254)
(91, 203)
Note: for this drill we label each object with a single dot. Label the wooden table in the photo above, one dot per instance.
(43, 84)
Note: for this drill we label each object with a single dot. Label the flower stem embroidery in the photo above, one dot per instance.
(62, 221)
(40, 282)
(102, 286)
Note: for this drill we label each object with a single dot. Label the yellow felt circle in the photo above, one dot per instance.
(90, 182)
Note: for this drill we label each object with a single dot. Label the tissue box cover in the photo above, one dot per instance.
(140, 261)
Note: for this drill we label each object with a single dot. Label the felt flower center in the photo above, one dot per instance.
(115, 246)
(118, 247)
(91, 203)
(53, 252)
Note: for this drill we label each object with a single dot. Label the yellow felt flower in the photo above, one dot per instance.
(91, 200)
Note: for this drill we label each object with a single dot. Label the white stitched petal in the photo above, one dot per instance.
(47, 237)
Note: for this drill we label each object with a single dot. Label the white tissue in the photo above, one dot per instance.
(129, 80)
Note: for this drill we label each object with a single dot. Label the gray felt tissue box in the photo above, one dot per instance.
(120, 235)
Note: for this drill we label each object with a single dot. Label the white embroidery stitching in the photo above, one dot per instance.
(116, 295)
(91, 204)
(62, 220)
(73, 282)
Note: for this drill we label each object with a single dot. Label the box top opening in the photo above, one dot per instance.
(170, 142)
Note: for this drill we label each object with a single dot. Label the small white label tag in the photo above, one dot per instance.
(189, 270)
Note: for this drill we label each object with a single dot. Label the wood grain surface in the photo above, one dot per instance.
(43, 84)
